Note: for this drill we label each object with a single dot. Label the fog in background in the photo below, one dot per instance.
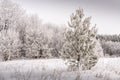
(105, 13)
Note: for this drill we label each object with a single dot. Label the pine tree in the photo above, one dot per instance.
(80, 41)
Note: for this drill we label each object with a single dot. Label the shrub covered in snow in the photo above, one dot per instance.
(98, 50)
(111, 48)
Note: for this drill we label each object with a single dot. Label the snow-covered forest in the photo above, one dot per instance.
(33, 50)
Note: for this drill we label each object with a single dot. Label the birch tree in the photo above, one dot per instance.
(10, 15)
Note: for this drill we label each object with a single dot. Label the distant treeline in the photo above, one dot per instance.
(114, 38)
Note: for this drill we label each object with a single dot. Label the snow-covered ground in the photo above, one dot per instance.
(55, 69)
(30, 68)
(109, 64)
(38, 65)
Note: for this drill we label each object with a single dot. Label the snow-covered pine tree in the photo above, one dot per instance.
(80, 41)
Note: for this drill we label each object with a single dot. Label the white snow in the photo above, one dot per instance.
(109, 64)
(55, 69)
(32, 69)
(41, 65)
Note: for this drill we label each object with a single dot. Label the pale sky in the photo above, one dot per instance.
(105, 13)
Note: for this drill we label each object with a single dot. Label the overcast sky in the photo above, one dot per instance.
(105, 13)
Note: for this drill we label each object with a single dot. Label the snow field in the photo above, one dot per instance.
(55, 69)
